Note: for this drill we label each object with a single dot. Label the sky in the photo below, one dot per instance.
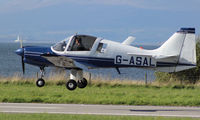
(150, 21)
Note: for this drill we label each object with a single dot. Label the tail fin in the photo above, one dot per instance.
(181, 44)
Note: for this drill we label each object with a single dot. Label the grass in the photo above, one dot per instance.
(17, 89)
(6, 116)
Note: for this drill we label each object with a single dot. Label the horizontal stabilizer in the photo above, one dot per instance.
(141, 54)
(157, 57)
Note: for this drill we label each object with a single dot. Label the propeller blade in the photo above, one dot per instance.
(23, 65)
(20, 40)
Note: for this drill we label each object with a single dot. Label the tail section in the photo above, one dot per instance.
(181, 46)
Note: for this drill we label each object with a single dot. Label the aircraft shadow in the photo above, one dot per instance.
(157, 110)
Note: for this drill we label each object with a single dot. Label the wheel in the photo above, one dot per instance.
(82, 83)
(40, 82)
(71, 85)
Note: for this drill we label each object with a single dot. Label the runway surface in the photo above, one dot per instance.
(100, 109)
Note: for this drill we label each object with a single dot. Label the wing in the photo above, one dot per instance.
(63, 61)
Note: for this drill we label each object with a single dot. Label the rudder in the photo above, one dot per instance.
(187, 58)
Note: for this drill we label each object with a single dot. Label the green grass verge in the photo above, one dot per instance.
(101, 94)
(6, 116)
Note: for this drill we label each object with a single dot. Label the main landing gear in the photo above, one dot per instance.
(76, 75)
(76, 79)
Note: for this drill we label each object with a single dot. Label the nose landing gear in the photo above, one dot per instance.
(40, 82)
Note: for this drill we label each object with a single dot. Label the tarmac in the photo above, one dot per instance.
(100, 109)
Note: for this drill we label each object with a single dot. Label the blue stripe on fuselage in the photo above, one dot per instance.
(109, 62)
(32, 55)
(170, 64)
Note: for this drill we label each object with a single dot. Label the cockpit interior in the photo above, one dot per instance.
(75, 43)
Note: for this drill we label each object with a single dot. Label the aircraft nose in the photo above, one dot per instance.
(20, 51)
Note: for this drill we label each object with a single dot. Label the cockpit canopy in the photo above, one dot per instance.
(75, 43)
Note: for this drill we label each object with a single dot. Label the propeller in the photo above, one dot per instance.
(23, 65)
(20, 52)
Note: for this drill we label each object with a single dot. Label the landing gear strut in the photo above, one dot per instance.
(76, 75)
(40, 82)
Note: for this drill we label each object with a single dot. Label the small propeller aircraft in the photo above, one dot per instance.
(83, 52)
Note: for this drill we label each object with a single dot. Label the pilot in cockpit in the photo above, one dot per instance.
(78, 46)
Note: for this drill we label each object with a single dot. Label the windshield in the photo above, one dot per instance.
(60, 46)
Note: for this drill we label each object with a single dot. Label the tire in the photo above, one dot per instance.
(71, 85)
(82, 83)
(40, 82)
